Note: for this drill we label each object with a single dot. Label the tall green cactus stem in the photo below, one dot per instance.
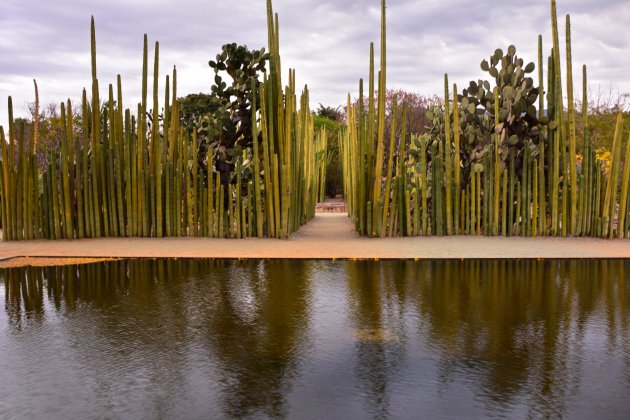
(610, 200)
(623, 202)
(572, 136)
(405, 217)
(19, 189)
(156, 146)
(542, 145)
(257, 196)
(380, 136)
(371, 119)
(559, 116)
(562, 137)
(95, 137)
(55, 198)
(362, 163)
(447, 159)
(387, 214)
(423, 184)
(556, 166)
(456, 159)
(497, 167)
(588, 164)
(65, 175)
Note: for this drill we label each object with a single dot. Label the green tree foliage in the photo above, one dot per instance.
(193, 107)
(332, 114)
(331, 119)
(602, 113)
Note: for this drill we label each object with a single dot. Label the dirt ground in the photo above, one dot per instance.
(46, 261)
(327, 236)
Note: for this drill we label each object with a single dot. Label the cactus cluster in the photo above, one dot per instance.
(499, 158)
(139, 175)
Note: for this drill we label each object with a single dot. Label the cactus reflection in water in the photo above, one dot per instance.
(537, 338)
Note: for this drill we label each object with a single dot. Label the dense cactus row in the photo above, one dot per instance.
(500, 164)
(120, 174)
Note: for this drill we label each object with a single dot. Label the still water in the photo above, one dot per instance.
(316, 339)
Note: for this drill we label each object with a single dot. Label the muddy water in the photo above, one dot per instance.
(316, 339)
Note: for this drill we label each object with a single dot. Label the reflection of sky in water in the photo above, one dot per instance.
(316, 339)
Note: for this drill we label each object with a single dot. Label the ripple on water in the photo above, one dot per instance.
(316, 339)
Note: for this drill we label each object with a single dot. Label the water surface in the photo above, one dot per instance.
(316, 339)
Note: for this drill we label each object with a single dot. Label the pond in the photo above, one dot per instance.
(316, 339)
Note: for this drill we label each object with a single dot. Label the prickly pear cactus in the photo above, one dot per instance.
(518, 125)
(226, 130)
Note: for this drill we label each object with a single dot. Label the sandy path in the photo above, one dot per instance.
(327, 236)
(46, 261)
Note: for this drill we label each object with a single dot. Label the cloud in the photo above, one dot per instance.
(327, 41)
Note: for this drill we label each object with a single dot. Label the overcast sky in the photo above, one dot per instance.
(327, 41)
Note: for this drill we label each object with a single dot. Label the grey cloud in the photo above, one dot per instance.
(327, 41)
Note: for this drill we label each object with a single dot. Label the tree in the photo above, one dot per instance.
(323, 121)
(333, 114)
(194, 106)
(602, 113)
(417, 106)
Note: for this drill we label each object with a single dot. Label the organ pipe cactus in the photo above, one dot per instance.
(138, 175)
(498, 160)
